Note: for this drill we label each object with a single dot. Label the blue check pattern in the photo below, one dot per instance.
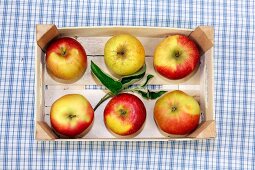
(234, 147)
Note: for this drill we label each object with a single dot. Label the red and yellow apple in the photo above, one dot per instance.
(176, 57)
(125, 115)
(124, 54)
(66, 59)
(71, 116)
(176, 113)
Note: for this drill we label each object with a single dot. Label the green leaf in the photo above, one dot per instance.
(131, 79)
(150, 94)
(154, 95)
(147, 80)
(142, 93)
(113, 85)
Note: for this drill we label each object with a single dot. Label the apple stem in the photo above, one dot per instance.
(63, 51)
(71, 116)
(107, 96)
(177, 54)
(122, 112)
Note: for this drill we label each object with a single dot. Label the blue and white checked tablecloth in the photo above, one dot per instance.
(234, 63)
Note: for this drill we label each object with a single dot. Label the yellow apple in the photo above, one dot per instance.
(124, 54)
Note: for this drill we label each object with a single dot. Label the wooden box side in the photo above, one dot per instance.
(204, 37)
(137, 31)
(44, 33)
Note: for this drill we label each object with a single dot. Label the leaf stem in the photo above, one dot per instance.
(107, 96)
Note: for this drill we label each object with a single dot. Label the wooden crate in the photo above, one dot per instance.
(199, 84)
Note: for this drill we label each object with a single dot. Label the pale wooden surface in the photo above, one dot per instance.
(205, 130)
(45, 33)
(203, 36)
(43, 131)
(97, 31)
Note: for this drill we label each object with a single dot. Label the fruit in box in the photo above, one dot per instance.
(124, 54)
(176, 57)
(177, 113)
(71, 116)
(66, 59)
(125, 115)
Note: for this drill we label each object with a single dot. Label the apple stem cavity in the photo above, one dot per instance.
(71, 116)
(63, 51)
(122, 52)
(177, 54)
(122, 112)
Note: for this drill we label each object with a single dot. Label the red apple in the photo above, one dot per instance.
(71, 116)
(177, 113)
(66, 59)
(125, 115)
(176, 57)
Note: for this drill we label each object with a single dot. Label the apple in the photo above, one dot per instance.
(71, 116)
(176, 113)
(124, 54)
(125, 115)
(176, 57)
(66, 59)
